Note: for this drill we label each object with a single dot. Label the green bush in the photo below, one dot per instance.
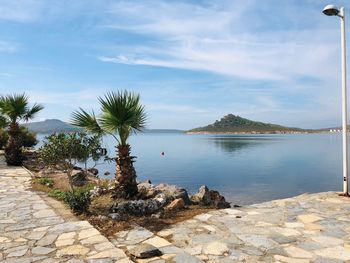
(58, 194)
(45, 181)
(28, 138)
(3, 138)
(78, 200)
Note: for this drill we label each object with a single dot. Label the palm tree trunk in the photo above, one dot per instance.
(13, 149)
(126, 185)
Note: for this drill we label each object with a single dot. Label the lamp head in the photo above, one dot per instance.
(331, 10)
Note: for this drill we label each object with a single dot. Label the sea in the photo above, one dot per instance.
(246, 169)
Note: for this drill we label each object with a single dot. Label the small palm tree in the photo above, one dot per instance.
(14, 109)
(121, 114)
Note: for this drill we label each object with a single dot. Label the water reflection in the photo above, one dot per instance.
(237, 144)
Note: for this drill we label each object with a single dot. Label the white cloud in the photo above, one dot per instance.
(214, 38)
(175, 108)
(8, 47)
(20, 10)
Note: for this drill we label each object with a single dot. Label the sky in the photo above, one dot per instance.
(192, 62)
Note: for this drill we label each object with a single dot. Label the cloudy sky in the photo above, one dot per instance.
(191, 61)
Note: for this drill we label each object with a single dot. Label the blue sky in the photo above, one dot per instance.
(191, 61)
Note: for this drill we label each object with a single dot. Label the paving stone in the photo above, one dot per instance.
(47, 240)
(88, 233)
(216, 248)
(145, 250)
(42, 250)
(157, 242)
(297, 252)
(337, 252)
(110, 253)
(309, 218)
(44, 213)
(73, 250)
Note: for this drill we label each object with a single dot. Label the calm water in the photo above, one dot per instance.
(244, 168)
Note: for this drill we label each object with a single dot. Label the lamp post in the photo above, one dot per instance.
(331, 10)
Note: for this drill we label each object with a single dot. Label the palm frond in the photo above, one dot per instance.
(87, 121)
(33, 111)
(120, 110)
(3, 122)
(16, 107)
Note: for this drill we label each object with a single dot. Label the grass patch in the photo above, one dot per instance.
(58, 194)
(45, 181)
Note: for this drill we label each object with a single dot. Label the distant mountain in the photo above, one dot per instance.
(162, 131)
(236, 124)
(54, 125)
(50, 126)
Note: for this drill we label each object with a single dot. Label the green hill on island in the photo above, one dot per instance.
(236, 124)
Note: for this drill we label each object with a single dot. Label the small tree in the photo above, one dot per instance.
(91, 149)
(66, 150)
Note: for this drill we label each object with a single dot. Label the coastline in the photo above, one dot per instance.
(252, 132)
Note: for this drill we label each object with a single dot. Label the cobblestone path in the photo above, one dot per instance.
(302, 229)
(31, 231)
(311, 228)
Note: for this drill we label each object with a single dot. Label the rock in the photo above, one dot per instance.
(116, 216)
(107, 173)
(173, 192)
(136, 207)
(147, 190)
(145, 251)
(161, 199)
(94, 171)
(77, 168)
(175, 205)
(79, 179)
(201, 196)
(97, 191)
(208, 197)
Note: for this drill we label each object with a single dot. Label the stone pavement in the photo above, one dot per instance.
(306, 228)
(31, 231)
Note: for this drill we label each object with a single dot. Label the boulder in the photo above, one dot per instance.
(208, 197)
(145, 250)
(79, 178)
(173, 192)
(97, 191)
(93, 171)
(136, 207)
(147, 190)
(175, 205)
(161, 199)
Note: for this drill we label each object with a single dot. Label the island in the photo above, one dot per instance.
(234, 124)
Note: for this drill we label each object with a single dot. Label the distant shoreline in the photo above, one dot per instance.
(253, 132)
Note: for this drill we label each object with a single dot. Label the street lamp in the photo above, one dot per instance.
(331, 10)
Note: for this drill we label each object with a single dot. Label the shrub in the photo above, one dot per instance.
(58, 194)
(45, 181)
(65, 150)
(78, 200)
(3, 138)
(28, 138)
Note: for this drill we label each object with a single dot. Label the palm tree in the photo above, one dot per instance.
(121, 114)
(14, 109)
